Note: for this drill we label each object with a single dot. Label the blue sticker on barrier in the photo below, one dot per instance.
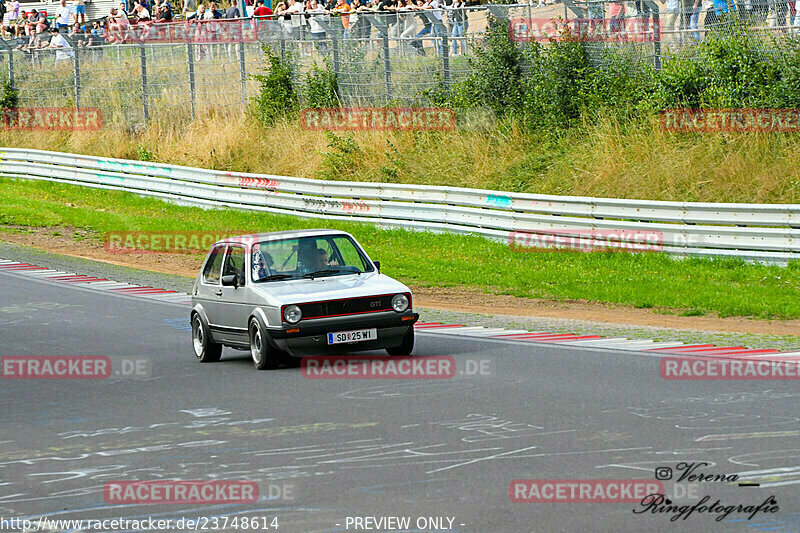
(499, 201)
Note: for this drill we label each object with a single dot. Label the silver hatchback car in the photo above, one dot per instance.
(293, 294)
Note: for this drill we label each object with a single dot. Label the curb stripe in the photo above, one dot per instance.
(95, 283)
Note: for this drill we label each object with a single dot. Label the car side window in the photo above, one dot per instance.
(349, 254)
(234, 263)
(211, 273)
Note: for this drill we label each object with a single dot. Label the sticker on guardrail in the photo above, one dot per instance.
(378, 119)
(499, 200)
(51, 119)
(731, 120)
(355, 206)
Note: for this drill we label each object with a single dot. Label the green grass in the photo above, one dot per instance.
(690, 286)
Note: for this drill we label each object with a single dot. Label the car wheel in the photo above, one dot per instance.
(205, 349)
(406, 347)
(264, 356)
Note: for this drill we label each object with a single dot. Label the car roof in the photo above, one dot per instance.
(279, 235)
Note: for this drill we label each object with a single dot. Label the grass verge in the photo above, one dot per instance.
(692, 287)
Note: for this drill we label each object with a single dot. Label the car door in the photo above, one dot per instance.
(233, 309)
(209, 290)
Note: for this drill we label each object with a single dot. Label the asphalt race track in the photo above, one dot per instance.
(324, 452)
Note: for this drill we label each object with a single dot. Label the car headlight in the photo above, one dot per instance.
(399, 302)
(292, 314)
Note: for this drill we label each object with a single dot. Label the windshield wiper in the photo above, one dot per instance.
(321, 273)
(275, 277)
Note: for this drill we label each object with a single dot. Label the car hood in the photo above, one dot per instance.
(328, 288)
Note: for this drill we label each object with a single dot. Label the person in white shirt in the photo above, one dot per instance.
(62, 15)
(117, 26)
(141, 13)
(317, 31)
(62, 46)
(295, 8)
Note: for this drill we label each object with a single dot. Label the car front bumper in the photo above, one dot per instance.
(311, 337)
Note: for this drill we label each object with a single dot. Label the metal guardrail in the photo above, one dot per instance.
(756, 232)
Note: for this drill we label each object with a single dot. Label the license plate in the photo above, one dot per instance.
(356, 335)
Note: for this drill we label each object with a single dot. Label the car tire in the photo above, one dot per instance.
(407, 345)
(205, 349)
(264, 356)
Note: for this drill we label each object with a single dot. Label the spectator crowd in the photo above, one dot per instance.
(404, 21)
(310, 20)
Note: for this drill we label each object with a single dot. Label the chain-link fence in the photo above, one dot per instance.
(178, 70)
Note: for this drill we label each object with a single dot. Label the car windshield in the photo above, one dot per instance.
(308, 258)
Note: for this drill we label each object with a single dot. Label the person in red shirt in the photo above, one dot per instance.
(262, 11)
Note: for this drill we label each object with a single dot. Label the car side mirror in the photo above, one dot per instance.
(230, 280)
(377, 265)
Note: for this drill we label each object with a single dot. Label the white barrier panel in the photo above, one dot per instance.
(760, 232)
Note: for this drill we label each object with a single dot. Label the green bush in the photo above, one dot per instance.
(552, 91)
(277, 97)
(727, 70)
(322, 87)
(9, 98)
(495, 78)
(553, 86)
(343, 158)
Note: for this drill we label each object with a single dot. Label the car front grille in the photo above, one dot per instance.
(349, 306)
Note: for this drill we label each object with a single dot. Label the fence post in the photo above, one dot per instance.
(383, 29)
(439, 25)
(143, 58)
(657, 30)
(10, 61)
(243, 73)
(77, 64)
(11, 67)
(190, 61)
(335, 46)
(332, 34)
(387, 67)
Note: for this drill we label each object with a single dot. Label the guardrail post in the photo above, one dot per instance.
(243, 74)
(190, 62)
(143, 60)
(77, 77)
